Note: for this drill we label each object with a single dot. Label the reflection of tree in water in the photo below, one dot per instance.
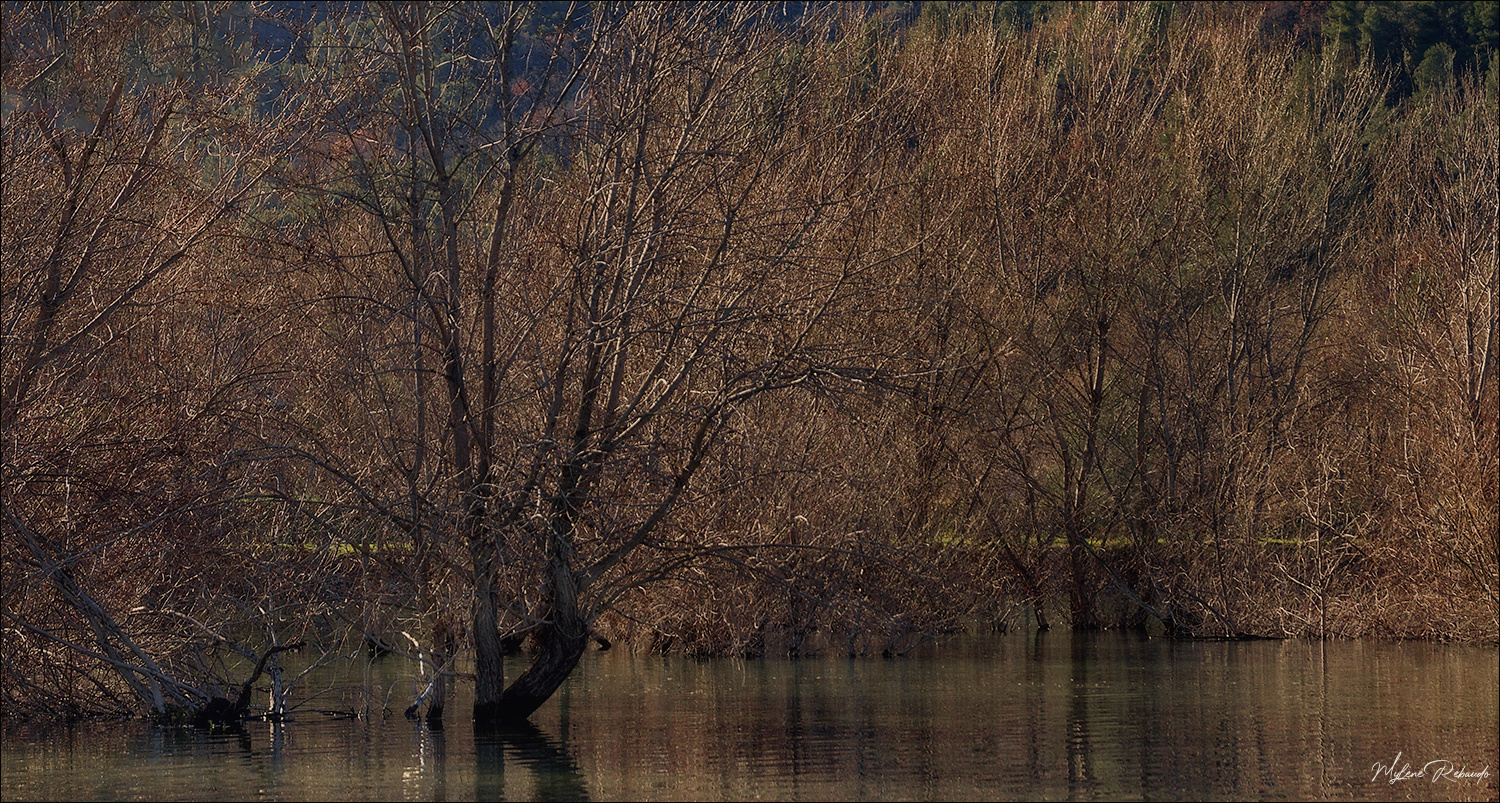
(432, 755)
(1080, 753)
(557, 774)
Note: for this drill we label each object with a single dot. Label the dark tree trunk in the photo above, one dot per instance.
(560, 649)
(561, 642)
(1081, 596)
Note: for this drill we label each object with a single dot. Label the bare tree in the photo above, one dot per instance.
(660, 224)
(128, 154)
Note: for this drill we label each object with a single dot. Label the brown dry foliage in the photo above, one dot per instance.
(1117, 321)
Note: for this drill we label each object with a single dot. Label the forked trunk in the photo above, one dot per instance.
(560, 643)
(560, 648)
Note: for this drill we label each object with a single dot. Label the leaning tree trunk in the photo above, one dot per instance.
(560, 640)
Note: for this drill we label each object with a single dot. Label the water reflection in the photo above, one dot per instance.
(489, 765)
(1079, 775)
(1057, 716)
(546, 762)
(1054, 715)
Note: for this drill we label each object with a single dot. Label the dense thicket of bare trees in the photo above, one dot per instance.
(465, 330)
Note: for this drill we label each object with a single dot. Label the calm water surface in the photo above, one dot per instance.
(1053, 716)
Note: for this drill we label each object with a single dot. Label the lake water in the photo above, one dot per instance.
(1051, 716)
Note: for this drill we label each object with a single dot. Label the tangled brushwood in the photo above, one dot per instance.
(471, 330)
